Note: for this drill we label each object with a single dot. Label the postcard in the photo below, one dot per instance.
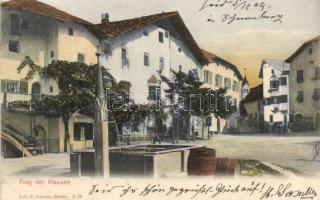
(160, 99)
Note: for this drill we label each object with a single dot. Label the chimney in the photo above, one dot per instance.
(104, 17)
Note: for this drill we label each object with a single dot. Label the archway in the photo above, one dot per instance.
(36, 90)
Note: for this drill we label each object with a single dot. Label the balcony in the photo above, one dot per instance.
(20, 102)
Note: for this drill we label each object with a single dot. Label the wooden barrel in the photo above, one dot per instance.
(227, 166)
(201, 162)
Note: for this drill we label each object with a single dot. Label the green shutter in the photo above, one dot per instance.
(3, 86)
(23, 87)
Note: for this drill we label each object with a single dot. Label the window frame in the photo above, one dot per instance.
(300, 76)
(17, 42)
(83, 57)
(70, 31)
(161, 64)
(156, 94)
(161, 37)
(146, 59)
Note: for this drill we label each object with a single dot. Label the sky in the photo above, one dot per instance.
(244, 43)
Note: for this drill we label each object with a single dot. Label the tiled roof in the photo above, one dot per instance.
(298, 51)
(119, 28)
(43, 9)
(255, 94)
(214, 58)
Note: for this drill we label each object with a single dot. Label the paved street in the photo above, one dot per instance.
(293, 153)
(288, 152)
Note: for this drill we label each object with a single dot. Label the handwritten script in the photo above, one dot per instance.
(240, 10)
(258, 190)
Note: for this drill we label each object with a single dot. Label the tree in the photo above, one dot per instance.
(77, 89)
(189, 98)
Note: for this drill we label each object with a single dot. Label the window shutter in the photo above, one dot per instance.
(23, 87)
(3, 86)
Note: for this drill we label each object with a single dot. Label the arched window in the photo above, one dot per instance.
(36, 91)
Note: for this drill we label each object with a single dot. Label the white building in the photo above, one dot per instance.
(44, 33)
(220, 73)
(141, 47)
(138, 49)
(275, 75)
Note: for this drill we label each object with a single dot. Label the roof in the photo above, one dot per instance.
(214, 58)
(245, 81)
(43, 9)
(119, 28)
(38, 7)
(299, 50)
(280, 65)
(255, 94)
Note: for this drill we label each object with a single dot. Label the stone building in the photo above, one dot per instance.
(304, 90)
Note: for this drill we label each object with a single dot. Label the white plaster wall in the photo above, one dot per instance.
(283, 90)
(225, 72)
(136, 73)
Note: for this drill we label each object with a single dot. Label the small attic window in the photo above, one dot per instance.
(179, 49)
(70, 31)
(145, 33)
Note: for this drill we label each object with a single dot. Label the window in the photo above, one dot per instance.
(14, 46)
(124, 57)
(310, 51)
(300, 76)
(271, 118)
(235, 86)
(15, 24)
(51, 89)
(227, 83)
(52, 54)
(283, 81)
(167, 34)
(145, 33)
(161, 37)
(19, 87)
(146, 59)
(70, 31)
(82, 131)
(207, 77)
(81, 58)
(316, 94)
(300, 97)
(274, 85)
(154, 92)
(218, 80)
(180, 68)
(161, 64)
(283, 99)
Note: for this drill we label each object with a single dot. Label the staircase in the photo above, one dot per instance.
(26, 140)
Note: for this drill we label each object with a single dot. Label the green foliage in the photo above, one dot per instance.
(197, 100)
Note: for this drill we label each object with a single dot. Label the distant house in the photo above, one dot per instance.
(252, 115)
(245, 88)
(305, 86)
(220, 73)
(275, 76)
